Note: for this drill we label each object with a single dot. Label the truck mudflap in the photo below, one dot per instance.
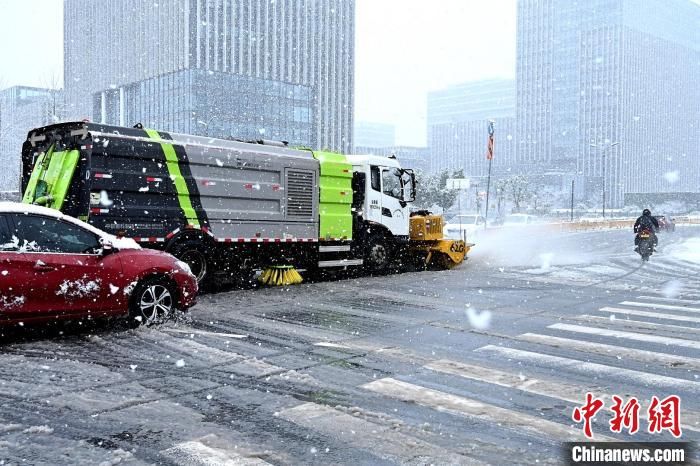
(441, 253)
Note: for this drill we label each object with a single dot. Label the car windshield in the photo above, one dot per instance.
(516, 219)
(465, 219)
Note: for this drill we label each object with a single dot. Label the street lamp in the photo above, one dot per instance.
(604, 168)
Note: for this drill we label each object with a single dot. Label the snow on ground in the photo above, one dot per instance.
(535, 246)
(688, 250)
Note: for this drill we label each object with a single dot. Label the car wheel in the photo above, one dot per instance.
(152, 301)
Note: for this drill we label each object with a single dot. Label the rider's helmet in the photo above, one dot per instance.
(646, 212)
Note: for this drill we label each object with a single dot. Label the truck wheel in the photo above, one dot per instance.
(152, 300)
(193, 254)
(377, 253)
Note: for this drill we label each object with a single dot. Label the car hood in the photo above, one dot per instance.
(143, 253)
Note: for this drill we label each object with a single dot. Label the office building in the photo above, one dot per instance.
(458, 119)
(115, 43)
(213, 104)
(607, 90)
(23, 108)
(372, 134)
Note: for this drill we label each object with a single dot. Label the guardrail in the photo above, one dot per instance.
(615, 224)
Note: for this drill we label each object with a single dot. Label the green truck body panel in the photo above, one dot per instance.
(49, 184)
(335, 196)
(183, 194)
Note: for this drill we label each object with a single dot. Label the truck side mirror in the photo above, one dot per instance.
(408, 181)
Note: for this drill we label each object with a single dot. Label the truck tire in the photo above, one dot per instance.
(377, 254)
(194, 254)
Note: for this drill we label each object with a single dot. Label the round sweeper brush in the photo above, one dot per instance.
(280, 275)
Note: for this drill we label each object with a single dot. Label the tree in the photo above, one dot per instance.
(517, 189)
(432, 190)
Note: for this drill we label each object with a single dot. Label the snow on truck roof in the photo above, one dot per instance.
(359, 159)
(21, 208)
(262, 146)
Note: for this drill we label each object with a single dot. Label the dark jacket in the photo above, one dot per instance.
(646, 221)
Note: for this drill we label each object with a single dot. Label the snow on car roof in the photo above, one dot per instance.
(21, 208)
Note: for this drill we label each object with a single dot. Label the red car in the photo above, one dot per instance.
(53, 266)
(666, 223)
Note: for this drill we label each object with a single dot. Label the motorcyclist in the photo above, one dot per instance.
(650, 223)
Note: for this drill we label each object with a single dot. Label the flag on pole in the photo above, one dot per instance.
(489, 152)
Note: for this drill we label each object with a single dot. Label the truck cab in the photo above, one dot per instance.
(382, 193)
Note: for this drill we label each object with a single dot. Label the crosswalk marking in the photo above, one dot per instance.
(627, 335)
(374, 432)
(203, 332)
(637, 324)
(573, 393)
(670, 300)
(463, 406)
(657, 315)
(643, 378)
(196, 453)
(562, 391)
(622, 352)
(669, 307)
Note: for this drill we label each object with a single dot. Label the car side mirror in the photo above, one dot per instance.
(107, 247)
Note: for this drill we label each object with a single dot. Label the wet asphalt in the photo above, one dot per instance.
(480, 364)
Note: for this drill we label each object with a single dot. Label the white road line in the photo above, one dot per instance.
(627, 335)
(377, 433)
(328, 344)
(203, 332)
(643, 378)
(195, 453)
(670, 300)
(562, 391)
(621, 352)
(463, 406)
(656, 315)
(669, 307)
(573, 393)
(633, 324)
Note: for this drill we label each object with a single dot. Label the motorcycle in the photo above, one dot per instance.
(645, 244)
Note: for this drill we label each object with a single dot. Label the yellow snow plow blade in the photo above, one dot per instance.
(426, 240)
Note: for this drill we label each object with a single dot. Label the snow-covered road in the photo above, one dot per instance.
(483, 363)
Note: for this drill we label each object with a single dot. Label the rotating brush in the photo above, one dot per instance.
(280, 275)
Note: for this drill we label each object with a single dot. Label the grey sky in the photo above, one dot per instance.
(404, 49)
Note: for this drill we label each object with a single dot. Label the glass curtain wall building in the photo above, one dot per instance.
(212, 104)
(457, 126)
(301, 42)
(606, 90)
(21, 109)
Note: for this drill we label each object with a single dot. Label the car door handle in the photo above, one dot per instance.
(43, 268)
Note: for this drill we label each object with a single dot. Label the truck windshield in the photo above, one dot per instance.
(391, 183)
